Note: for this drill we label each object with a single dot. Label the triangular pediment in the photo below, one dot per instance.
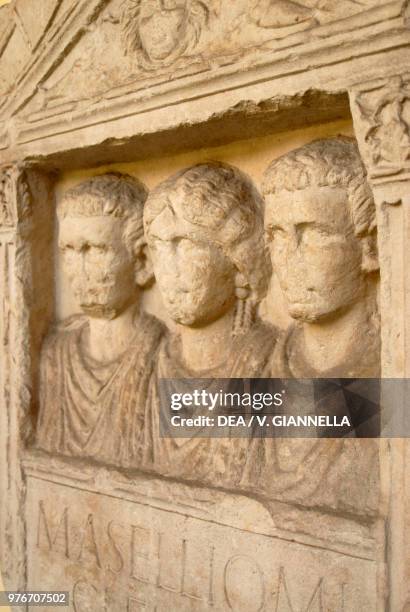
(71, 60)
(34, 38)
(35, 18)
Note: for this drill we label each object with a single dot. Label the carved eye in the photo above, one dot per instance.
(66, 248)
(316, 233)
(269, 234)
(177, 240)
(146, 19)
(155, 243)
(273, 231)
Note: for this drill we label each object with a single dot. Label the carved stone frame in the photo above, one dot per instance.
(373, 74)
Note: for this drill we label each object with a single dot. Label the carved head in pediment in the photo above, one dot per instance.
(102, 242)
(204, 227)
(161, 31)
(320, 223)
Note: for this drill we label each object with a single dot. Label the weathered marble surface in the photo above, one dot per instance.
(203, 239)
(321, 227)
(301, 525)
(98, 364)
(119, 541)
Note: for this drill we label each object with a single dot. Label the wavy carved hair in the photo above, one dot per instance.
(332, 162)
(223, 203)
(196, 16)
(113, 194)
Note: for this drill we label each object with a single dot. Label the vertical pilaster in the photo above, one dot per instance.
(381, 114)
(25, 251)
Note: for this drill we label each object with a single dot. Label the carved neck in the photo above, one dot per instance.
(341, 340)
(106, 339)
(207, 347)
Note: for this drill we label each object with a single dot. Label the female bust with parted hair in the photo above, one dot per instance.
(204, 229)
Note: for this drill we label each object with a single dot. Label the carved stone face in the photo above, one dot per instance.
(160, 28)
(196, 279)
(314, 250)
(99, 267)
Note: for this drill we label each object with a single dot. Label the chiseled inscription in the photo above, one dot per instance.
(170, 561)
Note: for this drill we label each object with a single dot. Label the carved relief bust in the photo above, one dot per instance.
(160, 31)
(321, 230)
(95, 366)
(204, 228)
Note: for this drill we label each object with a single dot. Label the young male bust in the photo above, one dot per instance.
(204, 228)
(95, 366)
(321, 231)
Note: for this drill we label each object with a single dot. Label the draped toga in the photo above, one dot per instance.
(331, 474)
(340, 474)
(90, 408)
(214, 461)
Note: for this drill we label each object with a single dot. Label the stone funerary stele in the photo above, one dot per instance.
(201, 189)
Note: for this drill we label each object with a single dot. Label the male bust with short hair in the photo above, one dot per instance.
(320, 224)
(95, 366)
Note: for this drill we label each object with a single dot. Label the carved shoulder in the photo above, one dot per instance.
(60, 331)
(267, 332)
(153, 327)
(74, 322)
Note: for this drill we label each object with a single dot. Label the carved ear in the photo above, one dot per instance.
(370, 259)
(144, 273)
